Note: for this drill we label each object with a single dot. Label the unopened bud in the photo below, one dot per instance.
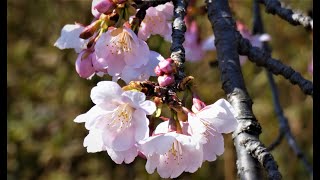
(197, 104)
(104, 6)
(84, 64)
(158, 71)
(167, 66)
(90, 29)
(165, 80)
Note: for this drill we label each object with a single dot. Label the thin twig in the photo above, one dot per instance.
(294, 18)
(284, 129)
(250, 151)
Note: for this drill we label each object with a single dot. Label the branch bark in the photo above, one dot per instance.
(250, 151)
(294, 18)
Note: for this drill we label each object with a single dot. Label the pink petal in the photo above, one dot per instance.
(215, 146)
(141, 123)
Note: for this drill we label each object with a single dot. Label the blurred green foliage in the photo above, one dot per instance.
(45, 94)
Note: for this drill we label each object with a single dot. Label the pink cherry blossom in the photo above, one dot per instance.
(117, 121)
(84, 65)
(171, 153)
(207, 126)
(157, 21)
(70, 39)
(120, 50)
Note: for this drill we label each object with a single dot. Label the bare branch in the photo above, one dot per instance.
(250, 151)
(262, 58)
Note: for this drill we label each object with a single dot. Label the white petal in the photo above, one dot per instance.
(148, 106)
(124, 140)
(162, 128)
(159, 144)
(70, 38)
(221, 115)
(93, 141)
(152, 163)
(141, 123)
(215, 146)
(120, 156)
(105, 92)
(154, 59)
(130, 74)
(134, 98)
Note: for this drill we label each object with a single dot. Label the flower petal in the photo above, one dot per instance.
(119, 156)
(158, 144)
(141, 123)
(105, 92)
(214, 147)
(70, 38)
(93, 141)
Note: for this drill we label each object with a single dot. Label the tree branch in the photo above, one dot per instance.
(178, 31)
(262, 58)
(246, 137)
(274, 7)
(283, 121)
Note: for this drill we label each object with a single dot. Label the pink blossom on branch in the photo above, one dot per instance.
(117, 121)
(171, 153)
(207, 125)
(157, 21)
(122, 53)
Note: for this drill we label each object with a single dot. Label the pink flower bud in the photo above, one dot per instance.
(166, 80)
(84, 65)
(167, 66)
(104, 6)
(158, 71)
(197, 104)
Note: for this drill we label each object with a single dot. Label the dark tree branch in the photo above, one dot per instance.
(262, 58)
(283, 121)
(178, 31)
(274, 7)
(250, 151)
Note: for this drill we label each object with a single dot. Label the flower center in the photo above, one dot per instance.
(121, 117)
(120, 41)
(175, 153)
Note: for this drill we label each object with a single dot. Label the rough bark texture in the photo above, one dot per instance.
(250, 151)
(274, 7)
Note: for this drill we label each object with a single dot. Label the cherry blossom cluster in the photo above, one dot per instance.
(122, 120)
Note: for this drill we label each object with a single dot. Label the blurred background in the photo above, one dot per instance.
(45, 94)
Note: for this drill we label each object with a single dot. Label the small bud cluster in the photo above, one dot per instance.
(165, 72)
